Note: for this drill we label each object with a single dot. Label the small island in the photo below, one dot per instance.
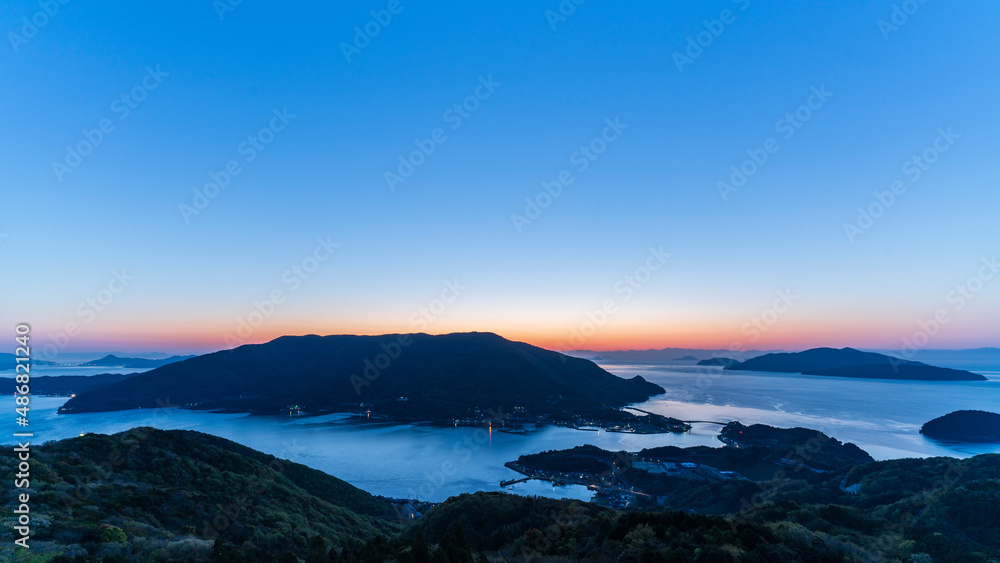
(964, 426)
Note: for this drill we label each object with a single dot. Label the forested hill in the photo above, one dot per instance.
(154, 495)
(161, 495)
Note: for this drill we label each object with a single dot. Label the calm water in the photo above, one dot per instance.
(882, 417)
(432, 463)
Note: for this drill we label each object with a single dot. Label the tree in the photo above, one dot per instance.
(112, 534)
(317, 550)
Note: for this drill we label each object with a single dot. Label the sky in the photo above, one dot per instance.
(189, 177)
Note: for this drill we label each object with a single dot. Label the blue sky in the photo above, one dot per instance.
(197, 277)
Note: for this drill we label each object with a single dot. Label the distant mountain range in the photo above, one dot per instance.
(115, 359)
(9, 361)
(661, 355)
(412, 376)
(140, 363)
(68, 384)
(848, 362)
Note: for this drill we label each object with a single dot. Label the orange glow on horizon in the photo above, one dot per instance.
(171, 335)
(209, 338)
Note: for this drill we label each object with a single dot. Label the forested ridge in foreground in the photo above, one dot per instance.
(153, 495)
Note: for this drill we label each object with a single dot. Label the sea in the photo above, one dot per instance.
(431, 463)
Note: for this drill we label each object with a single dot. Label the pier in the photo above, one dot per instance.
(705, 422)
(516, 481)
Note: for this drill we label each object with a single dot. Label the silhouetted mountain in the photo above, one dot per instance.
(418, 376)
(69, 384)
(848, 362)
(138, 363)
(724, 362)
(686, 359)
(9, 361)
(964, 426)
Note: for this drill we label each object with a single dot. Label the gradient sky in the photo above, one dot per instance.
(323, 175)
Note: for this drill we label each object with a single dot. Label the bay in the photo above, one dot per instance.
(432, 463)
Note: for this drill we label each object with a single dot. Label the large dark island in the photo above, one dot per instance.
(848, 362)
(466, 377)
